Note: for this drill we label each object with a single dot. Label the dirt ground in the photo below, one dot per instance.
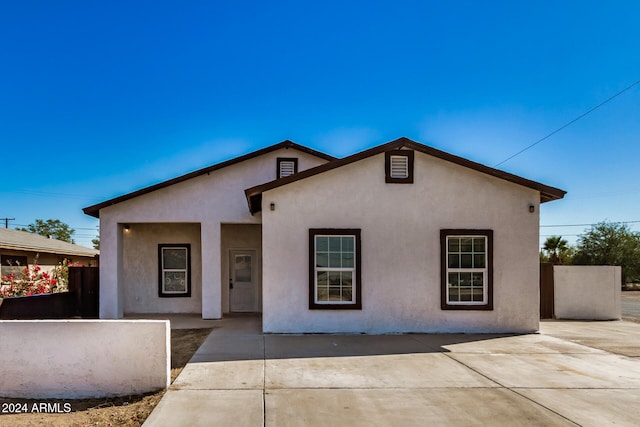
(127, 411)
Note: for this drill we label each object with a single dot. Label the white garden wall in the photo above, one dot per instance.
(587, 292)
(67, 359)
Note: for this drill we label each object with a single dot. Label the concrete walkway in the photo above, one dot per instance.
(572, 373)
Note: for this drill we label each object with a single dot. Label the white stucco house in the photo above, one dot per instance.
(398, 238)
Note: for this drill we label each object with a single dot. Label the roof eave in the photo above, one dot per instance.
(94, 210)
(48, 250)
(547, 193)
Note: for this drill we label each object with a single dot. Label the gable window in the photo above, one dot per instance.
(174, 270)
(334, 269)
(287, 166)
(467, 269)
(398, 166)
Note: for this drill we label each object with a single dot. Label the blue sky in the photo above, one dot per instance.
(98, 99)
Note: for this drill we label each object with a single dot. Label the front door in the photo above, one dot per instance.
(243, 289)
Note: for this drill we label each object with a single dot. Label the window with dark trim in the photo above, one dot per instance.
(334, 269)
(398, 166)
(12, 264)
(174, 270)
(466, 269)
(287, 166)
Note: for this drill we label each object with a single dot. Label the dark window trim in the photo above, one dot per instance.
(286, 159)
(161, 293)
(312, 268)
(7, 264)
(4, 258)
(387, 166)
(444, 304)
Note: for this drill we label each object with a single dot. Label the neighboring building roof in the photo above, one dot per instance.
(95, 209)
(25, 241)
(254, 194)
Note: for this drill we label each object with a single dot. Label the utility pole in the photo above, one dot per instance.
(6, 221)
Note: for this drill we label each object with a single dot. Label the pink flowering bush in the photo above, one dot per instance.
(33, 281)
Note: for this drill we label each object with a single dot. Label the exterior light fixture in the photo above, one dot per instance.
(272, 206)
(127, 228)
(532, 208)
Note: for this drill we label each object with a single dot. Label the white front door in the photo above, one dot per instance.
(243, 281)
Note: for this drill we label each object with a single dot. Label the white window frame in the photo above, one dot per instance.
(335, 269)
(484, 271)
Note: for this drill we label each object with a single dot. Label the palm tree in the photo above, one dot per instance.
(555, 247)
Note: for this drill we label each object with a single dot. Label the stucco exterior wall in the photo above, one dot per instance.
(587, 292)
(209, 200)
(140, 268)
(66, 359)
(400, 226)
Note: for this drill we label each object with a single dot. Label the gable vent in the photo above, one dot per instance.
(287, 167)
(399, 167)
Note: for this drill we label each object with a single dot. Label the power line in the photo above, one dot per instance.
(588, 225)
(571, 122)
(6, 221)
(75, 228)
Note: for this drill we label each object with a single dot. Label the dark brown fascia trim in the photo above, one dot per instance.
(547, 193)
(444, 304)
(358, 263)
(94, 210)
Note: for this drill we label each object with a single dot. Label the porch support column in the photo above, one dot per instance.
(211, 261)
(110, 270)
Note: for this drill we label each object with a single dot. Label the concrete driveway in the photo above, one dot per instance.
(631, 305)
(572, 373)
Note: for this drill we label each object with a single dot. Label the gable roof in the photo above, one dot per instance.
(95, 209)
(25, 241)
(254, 194)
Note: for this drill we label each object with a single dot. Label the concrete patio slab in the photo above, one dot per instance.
(433, 407)
(178, 321)
(219, 348)
(236, 375)
(616, 336)
(406, 371)
(572, 373)
(518, 344)
(195, 408)
(590, 407)
(555, 370)
(301, 346)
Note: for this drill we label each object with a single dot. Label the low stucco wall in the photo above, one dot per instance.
(587, 292)
(83, 358)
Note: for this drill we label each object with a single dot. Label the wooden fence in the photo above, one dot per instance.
(546, 291)
(81, 300)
